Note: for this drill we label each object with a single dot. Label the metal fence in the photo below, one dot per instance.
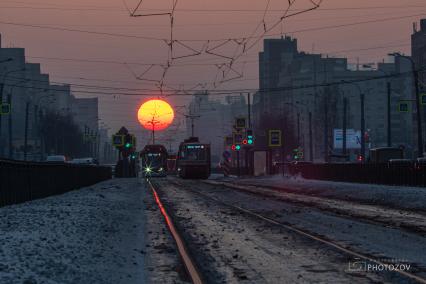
(405, 174)
(24, 181)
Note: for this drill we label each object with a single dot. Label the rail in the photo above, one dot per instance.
(189, 263)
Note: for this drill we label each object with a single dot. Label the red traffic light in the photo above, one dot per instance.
(245, 142)
(233, 147)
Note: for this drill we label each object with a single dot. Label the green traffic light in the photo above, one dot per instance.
(128, 145)
(250, 141)
(238, 147)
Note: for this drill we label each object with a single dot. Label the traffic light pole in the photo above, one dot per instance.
(238, 163)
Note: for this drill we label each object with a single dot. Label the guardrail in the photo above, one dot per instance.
(24, 181)
(387, 174)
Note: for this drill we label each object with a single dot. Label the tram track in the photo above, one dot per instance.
(302, 232)
(190, 265)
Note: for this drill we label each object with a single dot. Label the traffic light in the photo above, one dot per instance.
(250, 137)
(236, 147)
(245, 142)
(360, 158)
(128, 141)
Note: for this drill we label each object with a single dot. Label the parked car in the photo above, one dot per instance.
(56, 159)
(84, 161)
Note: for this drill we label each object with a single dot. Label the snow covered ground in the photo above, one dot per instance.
(411, 198)
(111, 232)
(230, 246)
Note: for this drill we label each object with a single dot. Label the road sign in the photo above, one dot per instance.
(274, 138)
(423, 99)
(240, 122)
(403, 107)
(118, 140)
(4, 108)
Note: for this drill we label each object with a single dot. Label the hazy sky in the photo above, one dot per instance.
(324, 30)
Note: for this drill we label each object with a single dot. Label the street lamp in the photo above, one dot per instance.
(1, 98)
(362, 99)
(416, 88)
(311, 156)
(10, 116)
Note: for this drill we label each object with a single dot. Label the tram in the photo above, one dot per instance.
(154, 161)
(193, 159)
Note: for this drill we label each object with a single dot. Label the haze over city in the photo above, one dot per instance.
(195, 141)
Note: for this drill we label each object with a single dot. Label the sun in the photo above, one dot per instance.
(155, 115)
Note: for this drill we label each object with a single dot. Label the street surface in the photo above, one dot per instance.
(107, 233)
(114, 232)
(233, 247)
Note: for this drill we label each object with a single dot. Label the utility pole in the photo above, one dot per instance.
(419, 115)
(345, 105)
(389, 115)
(418, 106)
(326, 128)
(311, 148)
(192, 118)
(249, 110)
(362, 126)
(298, 129)
(9, 101)
(27, 107)
(1, 101)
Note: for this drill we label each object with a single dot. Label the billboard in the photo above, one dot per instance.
(353, 139)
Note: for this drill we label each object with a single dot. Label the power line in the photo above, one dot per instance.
(230, 91)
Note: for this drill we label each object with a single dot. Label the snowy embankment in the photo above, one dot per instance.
(410, 198)
(106, 233)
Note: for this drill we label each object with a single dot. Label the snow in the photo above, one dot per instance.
(216, 230)
(233, 248)
(106, 233)
(411, 198)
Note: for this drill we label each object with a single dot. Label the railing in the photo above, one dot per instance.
(24, 181)
(388, 174)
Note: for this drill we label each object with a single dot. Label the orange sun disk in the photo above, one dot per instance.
(155, 115)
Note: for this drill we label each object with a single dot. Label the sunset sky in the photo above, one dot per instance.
(337, 28)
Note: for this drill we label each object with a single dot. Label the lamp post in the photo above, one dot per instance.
(1, 99)
(311, 156)
(362, 114)
(418, 108)
(11, 120)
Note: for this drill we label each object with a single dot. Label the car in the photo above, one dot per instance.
(56, 159)
(84, 161)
